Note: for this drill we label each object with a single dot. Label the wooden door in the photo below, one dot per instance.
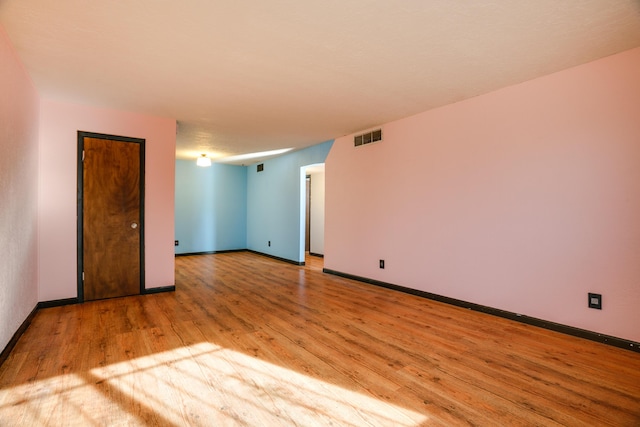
(110, 216)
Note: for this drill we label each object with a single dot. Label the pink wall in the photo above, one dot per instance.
(59, 123)
(18, 192)
(524, 199)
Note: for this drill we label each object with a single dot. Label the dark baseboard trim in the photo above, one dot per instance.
(57, 303)
(557, 327)
(276, 257)
(159, 290)
(211, 252)
(247, 250)
(315, 254)
(14, 339)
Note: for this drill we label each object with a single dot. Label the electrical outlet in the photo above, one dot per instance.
(269, 243)
(176, 243)
(381, 263)
(595, 301)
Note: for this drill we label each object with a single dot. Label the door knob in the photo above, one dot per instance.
(134, 225)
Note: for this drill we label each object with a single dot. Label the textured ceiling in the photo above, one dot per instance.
(253, 75)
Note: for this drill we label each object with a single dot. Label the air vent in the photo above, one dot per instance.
(368, 138)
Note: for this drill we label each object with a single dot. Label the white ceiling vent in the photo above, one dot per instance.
(368, 138)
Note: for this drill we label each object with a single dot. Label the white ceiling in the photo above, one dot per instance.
(253, 75)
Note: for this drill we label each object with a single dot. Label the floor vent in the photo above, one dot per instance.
(368, 138)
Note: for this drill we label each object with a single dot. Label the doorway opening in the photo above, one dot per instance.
(312, 213)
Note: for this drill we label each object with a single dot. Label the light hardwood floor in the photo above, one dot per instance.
(250, 341)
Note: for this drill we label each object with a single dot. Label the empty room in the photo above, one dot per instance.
(355, 213)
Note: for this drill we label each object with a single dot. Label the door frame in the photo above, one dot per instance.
(80, 203)
(302, 210)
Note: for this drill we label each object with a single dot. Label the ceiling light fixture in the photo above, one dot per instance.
(203, 161)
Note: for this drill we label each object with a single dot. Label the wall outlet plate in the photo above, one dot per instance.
(381, 263)
(595, 301)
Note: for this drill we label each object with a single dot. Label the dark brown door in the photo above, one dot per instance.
(111, 216)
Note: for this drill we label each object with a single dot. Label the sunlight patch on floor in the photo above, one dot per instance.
(202, 384)
(61, 400)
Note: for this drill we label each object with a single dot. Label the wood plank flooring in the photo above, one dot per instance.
(250, 341)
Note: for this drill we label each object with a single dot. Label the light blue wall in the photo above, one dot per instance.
(211, 207)
(225, 207)
(273, 202)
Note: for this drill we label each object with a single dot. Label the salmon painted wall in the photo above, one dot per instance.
(18, 192)
(524, 199)
(59, 123)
